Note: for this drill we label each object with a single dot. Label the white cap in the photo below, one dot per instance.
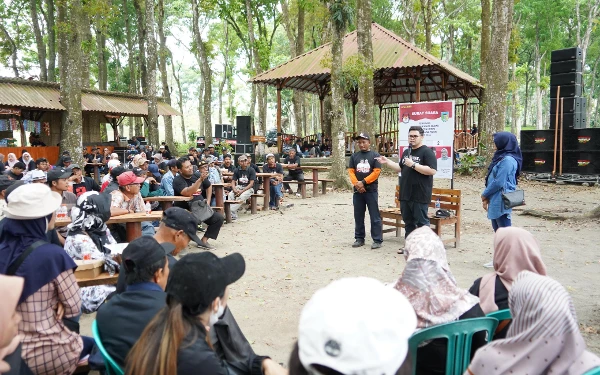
(356, 326)
(37, 174)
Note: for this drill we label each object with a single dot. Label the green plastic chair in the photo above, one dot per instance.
(460, 336)
(111, 366)
(594, 371)
(500, 315)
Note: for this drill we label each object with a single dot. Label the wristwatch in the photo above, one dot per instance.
(414, 166)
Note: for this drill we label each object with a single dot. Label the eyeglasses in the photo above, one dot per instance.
(414, 136)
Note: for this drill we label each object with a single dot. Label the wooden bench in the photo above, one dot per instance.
(228, 204)
(450, 199)
(324, 182)
(253, 202)
(302, 185)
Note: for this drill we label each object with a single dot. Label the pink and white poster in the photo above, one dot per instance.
(437, 120)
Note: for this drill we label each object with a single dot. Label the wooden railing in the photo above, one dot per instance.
(465, 141)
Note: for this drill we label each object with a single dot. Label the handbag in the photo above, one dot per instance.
(513, 199)
(201, 210)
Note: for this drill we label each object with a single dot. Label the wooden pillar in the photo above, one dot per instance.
(322, 114)
(380, 117)
(465, 99)
(353, 116)
(444, 82)
(279, 145)
(418, 83)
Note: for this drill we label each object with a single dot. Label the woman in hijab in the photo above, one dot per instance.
(29, 162)
(11, 362)
(501, 177)
(87, 237)
(432, 291)
(515, 250)
(12, 159)
(50, 292)
(544, 336)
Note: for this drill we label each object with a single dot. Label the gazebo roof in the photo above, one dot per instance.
(397, 67)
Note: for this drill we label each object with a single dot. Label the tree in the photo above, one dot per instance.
(39, 40)
(493, 105)
(179, 100)
(366, 91)
(152, 124)
(341, 14)
(162, 64)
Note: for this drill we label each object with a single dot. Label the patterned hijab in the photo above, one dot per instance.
(515, 250)
(544, 336)
(428, 283)
(89, 217)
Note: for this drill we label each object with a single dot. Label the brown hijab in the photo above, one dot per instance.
(515, 250)
(10, 290)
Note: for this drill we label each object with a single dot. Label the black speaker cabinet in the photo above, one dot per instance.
(570, 105)
(241, 148)
(586, 139)
(576, 120)
(537, 140)
(573, 78)
(538, 161)
(224, 131)
(566, 91)
(218, 131)
(244, 130)
(581, 162)
(573, 53)
(568, 66)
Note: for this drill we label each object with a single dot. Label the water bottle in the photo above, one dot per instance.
(62, 212)
(148, 208)
(437, 203)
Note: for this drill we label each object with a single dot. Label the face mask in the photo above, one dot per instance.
(214, 317)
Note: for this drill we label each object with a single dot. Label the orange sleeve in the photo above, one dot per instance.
(352, 174)
(373, 176)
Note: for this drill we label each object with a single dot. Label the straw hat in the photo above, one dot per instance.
(32, 201)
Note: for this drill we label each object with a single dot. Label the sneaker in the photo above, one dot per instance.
(298, 195)
(358, 243)
(234, 215)
(200, 228)
(206, 246)
(489, 265)
(375, 245)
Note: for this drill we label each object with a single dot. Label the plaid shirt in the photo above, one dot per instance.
(136, 204)
(48, 346)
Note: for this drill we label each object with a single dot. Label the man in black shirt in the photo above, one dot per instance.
(275, 194)
(242, 184)
(418, 164)
(364, 169)
(81, 183)
(16, 172)
(295, 172)
(92, 158)
(196, 185)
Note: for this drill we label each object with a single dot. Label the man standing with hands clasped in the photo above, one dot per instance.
(364, 169)
(418, 164)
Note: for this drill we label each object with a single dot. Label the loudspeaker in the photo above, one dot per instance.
(581, 162)
(573, 53)
(566, 91)
(575, 120)
(568, 66)
(574, 78)
(570, 105)
(243, 126)
(241, 148)
(218, 131)
(537, 140)
(585, 139)
(538, 161)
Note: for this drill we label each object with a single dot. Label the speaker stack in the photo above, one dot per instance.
(244, 131)
(580, 145)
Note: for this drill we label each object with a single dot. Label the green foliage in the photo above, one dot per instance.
(341, 13)
(191, 136)
(468, 163)
(223, 147)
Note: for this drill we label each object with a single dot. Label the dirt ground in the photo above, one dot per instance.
(292, 253)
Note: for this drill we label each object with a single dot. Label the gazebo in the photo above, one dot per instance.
(402, 73)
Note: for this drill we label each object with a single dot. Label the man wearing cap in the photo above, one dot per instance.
(16, 172)
(61, 160)
(211, 149)
(197, 185)
(287, 145)
(5, 182)
(128, 200)
(67, 161)
(294, 171)
(151, 186)
(113, 184)
(163, 149)
(275, 185)
(81, 183)
(242, 184)
(364, 169)
(57, 181)
(167, 180)
(92, 158)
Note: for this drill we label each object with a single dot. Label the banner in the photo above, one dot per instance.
(437, 120)
(10, 111)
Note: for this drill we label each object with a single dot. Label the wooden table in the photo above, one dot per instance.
(103, 279)
(96, 174)
(266, 188)
(167, 202)
(315, 174)
(219, 193)
(133, 222)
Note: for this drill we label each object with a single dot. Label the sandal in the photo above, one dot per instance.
(400, 251)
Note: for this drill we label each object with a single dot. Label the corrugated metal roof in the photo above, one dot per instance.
(25, 95)
(390, 54)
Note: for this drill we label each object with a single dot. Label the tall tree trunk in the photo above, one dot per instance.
(39, 39)
(206, 72)
(493, 106)
(102, 63)
(366, 90)
(162, 65)
(426, 8)
(151, 76)
(86, 48)
(260, 93)
(225, 71)
(141, 39)
(538, 90)
(486, 26)
(514, 126)
(51, 40)
(327, 122)
(201, 127)
(71, 65)
(13, 50)
(179, 100)
(525, 111)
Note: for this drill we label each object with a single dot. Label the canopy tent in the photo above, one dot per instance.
(402, 73)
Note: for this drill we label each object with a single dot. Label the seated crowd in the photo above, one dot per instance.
(154, 322)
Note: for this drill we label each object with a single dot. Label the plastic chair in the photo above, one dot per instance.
(111, 366)
(594, 371)
(500, 315)
(460, 336)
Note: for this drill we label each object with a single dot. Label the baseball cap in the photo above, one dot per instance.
(36, 175)
(172, 163)
(73, 166)
(58, 173)
(67, 159)
(211, 146)
(269, 155)
(143, 252)
(339, 329)
(243, 157)
(153, 168)
(180, 219)
(363, 136)
(128, 178)
(116, 171)
(197, 279)
(141, 161)
(139, 172)
(162, 146)
(5, 182)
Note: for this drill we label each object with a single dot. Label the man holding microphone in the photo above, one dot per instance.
(418, 164)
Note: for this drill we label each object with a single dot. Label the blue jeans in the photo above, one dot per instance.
(414, 215)
(501, 222)
(363, 201)
(275, 194)
(148, 228)
(88, 345)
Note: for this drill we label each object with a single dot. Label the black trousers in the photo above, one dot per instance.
(414, 215)
(290, 177)
(215, 222)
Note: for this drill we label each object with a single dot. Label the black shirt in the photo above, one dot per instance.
(276, 169)
(86, 184)
(14, 176)
(295, 160)
(231, 167)
(500, 297)
(363, 163)
(415, 186)
(244, 176)
(180, 183)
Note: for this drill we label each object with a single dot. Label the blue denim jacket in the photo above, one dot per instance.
(167, 183)
(502, 179)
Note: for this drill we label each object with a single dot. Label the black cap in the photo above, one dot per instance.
(197, 279)
(58, 173)
(116, 172)
(363, 136)
(67, 159)
(139, 172)
(5, 182)
(172, 163)
(180, 219)
(143, 252)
